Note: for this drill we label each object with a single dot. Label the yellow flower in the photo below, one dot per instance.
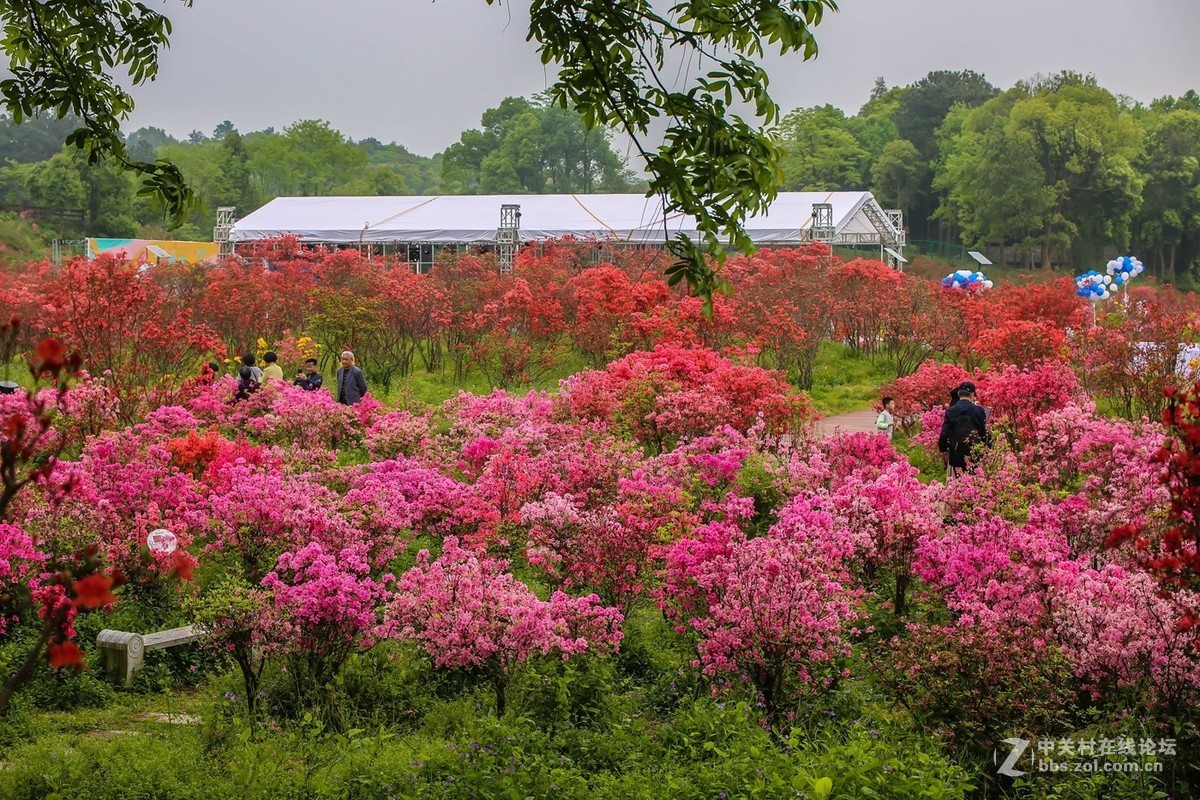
(262, 343)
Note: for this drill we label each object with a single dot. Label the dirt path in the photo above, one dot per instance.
(852, 422)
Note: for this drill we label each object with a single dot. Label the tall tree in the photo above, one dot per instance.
(1168, 222)
(323, 155)
(899, 174)
(144, 142)
(529, 146)
(33, 139)
(1059, 160)
(874, 125)
(237, 191)
(992, 192)
(821, 153)
(921, 108)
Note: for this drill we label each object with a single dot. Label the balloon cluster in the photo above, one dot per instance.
(1124, 269)
(1092, 286)
(965, 279)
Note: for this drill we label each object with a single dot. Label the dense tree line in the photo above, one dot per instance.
(1053, 170)
(523, 146)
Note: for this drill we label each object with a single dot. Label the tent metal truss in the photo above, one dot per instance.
(888, 230)
(822, 229)
(62, 249)
(224, 224)
(508, 236)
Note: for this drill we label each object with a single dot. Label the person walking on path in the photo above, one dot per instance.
(964, 428)
(886, 423)
(351, 383)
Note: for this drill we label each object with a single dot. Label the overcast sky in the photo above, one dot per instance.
(420, 72)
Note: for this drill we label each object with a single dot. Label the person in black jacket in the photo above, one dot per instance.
(309, 379)
(964, 428)
(246, 384)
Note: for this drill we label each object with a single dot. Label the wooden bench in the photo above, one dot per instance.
(124, 652)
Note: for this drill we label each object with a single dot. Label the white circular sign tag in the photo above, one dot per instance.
(161, 540)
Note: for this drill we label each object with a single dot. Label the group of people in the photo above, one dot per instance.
(351, 386)
(964, 427)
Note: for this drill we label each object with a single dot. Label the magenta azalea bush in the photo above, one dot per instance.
(674, 490)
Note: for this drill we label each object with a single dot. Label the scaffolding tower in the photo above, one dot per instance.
(508, 236)
(822, 223)
(221, 230)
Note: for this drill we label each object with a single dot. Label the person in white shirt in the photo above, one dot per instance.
(886, 423)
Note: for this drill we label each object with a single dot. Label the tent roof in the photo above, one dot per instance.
(474, 218)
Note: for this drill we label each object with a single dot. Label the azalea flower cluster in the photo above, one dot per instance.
(501, 529)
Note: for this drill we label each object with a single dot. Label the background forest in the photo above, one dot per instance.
(1054, 170)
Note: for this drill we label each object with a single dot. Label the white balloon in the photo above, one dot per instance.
(161, 540)
(987, 284)
(1107, 279)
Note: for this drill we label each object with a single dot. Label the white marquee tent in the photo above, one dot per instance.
(461, 219)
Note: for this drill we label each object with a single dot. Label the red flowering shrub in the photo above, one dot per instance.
(1171, 551)
(1021, 343)
(671, 392)
(127, 327)
(928, 387)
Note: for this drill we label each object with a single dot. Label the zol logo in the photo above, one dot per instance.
(1018, 748)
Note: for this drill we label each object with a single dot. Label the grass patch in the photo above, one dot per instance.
(434, 388)
(844, 380)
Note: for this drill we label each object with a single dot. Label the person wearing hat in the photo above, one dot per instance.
(964, 428)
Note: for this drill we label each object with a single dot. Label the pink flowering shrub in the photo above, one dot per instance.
(123, 486)
(26, 423)
(1016, 397)
(773, 608)
(397, 433)
(927, 388)
(166, 422)
(281, 413)
(467, 611)
(894, 511)
(258, 513)
(477, 416)
(582, 548)
(90, 407)
(21, 565)
(324, 606)
(1024, 581)
(391, 501)
(302, 419)
(1121, 635)
(522, 464)
(857, 454)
